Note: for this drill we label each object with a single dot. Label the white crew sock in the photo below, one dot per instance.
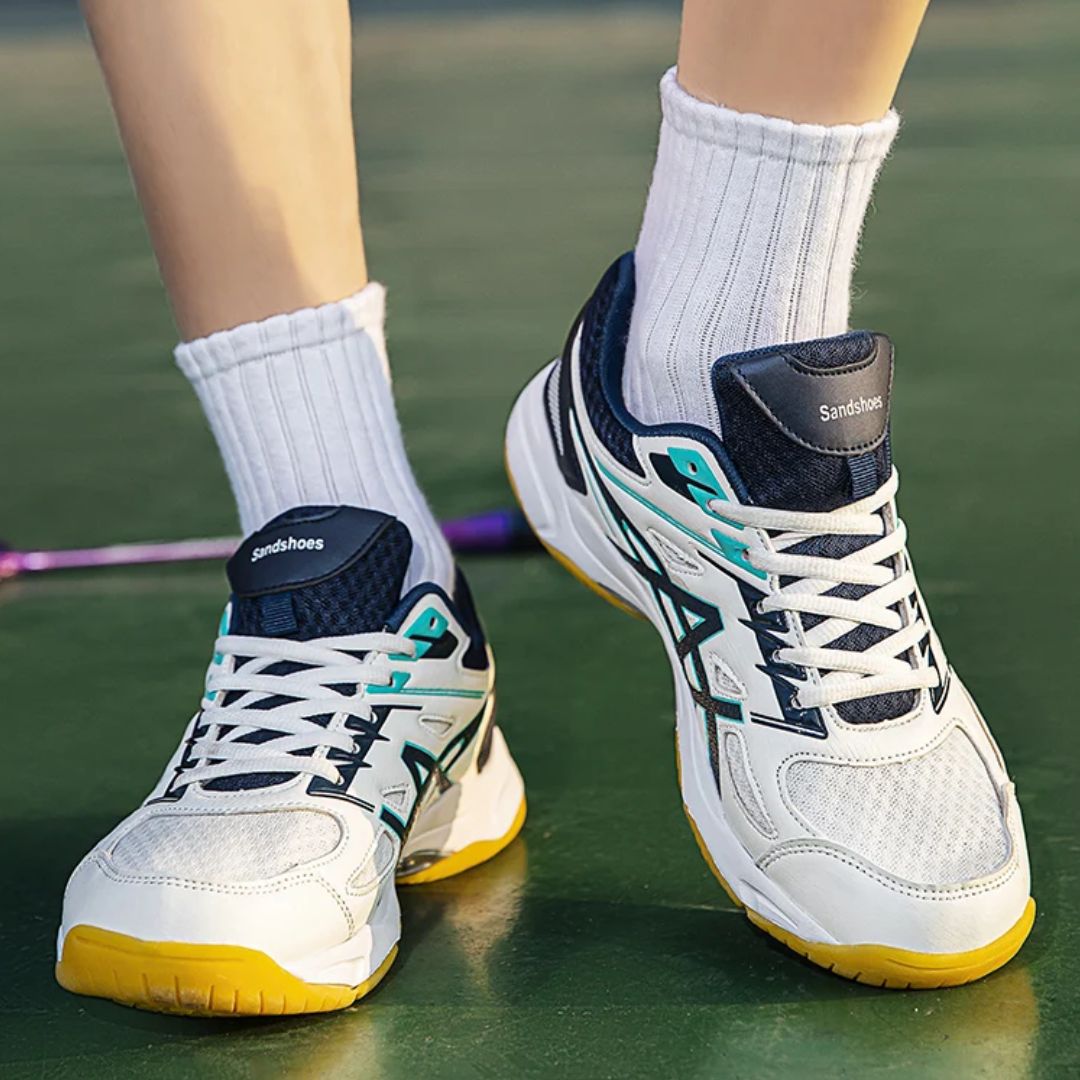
(303, 414)
(749, 239)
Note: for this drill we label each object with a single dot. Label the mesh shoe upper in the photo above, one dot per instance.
(225, 848)
(934, 819)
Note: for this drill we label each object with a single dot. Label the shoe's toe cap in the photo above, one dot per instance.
(255, 879)
(925, 853)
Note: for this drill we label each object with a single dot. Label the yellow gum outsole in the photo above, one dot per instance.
(874, 965)
(903, 969)
(195, 980)
(469, 856)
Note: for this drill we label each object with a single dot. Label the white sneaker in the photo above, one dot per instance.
(840, 780)
(346, 740)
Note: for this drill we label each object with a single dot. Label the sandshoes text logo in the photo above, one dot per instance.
(288, 543)
(851, 407)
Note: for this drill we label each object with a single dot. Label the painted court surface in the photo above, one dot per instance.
(505, 161)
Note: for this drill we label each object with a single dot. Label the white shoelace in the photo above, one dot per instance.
(300, 741)
(848, 675)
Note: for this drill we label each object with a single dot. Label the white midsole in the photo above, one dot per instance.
(563, 520)
(356, 959)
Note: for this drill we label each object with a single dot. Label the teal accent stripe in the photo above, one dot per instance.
(727, 547)
(445, 693)
(399, 686)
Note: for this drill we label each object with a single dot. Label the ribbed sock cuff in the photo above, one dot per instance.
(305, 328)
(773, 137)
(749, 239)
(303, 413)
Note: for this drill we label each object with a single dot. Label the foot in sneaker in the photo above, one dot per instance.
(838, 777)
(346, 743)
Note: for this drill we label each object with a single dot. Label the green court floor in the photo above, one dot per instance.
(505, 160)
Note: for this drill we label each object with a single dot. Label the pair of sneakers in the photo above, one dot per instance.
(837, 776)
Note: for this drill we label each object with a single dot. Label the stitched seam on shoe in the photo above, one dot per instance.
(830, 759)
(930, 892)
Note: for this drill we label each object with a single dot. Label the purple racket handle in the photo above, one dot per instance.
(495, 531)
(488, 533)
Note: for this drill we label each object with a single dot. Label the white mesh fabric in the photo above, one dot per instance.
(374, 867)
(723, 682)
(384, 852)
(935, 819)
(552, 399)
(395, 797)
(738, 770)
(224, 848)
(675, 558)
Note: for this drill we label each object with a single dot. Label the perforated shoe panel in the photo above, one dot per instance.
(742, 782)
(934, 819)
(223, 848)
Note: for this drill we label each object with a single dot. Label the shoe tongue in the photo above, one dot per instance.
(319, 571)
(312, 572)
(807, 428)
(807, 425)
